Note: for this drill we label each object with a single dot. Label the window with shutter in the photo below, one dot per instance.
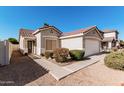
(50, 44)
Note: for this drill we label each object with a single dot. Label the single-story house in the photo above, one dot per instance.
(48, 38)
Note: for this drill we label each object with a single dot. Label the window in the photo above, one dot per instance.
(50, 44)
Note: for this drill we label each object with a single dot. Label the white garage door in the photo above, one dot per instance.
(91, 47)
(72, 43)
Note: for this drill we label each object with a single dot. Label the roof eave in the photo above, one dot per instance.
(71, 36)
(95, 27)
(40, 29)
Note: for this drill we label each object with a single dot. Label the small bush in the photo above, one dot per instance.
(48, 54)
(114, 49)
(115, 60)
(61, 54)
(77, 54)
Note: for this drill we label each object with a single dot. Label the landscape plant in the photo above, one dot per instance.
(61, 54)
(115, 60)
(77, 54)
(48, 54)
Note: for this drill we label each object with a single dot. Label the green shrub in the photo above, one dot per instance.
(61, 54)
(115, 60)
(77, 54)
(48, 54)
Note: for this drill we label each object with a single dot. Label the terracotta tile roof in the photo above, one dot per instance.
(26, 33)
(78, 31)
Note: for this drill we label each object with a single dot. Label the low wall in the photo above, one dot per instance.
(12, 47)
(6, 50)
(2, 51)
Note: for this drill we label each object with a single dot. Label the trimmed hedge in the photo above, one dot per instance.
(48, 54)
(61, 54)
(115, 60)
(77, 54)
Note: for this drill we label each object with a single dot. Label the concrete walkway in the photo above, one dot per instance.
(56, 71)
(59, 72)
(82, 64)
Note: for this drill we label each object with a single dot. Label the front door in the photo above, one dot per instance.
(29, 46)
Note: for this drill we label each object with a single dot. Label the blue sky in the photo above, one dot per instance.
(64, 18)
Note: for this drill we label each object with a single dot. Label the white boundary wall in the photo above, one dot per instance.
(6, 50)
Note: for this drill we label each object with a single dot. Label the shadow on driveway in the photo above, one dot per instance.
(21, 71)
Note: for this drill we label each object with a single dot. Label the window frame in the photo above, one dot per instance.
(51, 39)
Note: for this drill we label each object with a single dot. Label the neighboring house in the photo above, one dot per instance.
(48, 38)
(110, 39)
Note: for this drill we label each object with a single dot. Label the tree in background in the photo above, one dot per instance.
(121, 43)
(13, 40)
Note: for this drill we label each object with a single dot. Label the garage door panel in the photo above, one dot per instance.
(91, 47)
(72, 43)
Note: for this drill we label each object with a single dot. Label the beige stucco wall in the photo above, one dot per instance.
(92, 33)
(21, 43)
(112, 34)
(41, 39)
(38, 43)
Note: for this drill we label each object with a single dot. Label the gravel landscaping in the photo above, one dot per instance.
(95, 75)
(24, 71)
(21, 71)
